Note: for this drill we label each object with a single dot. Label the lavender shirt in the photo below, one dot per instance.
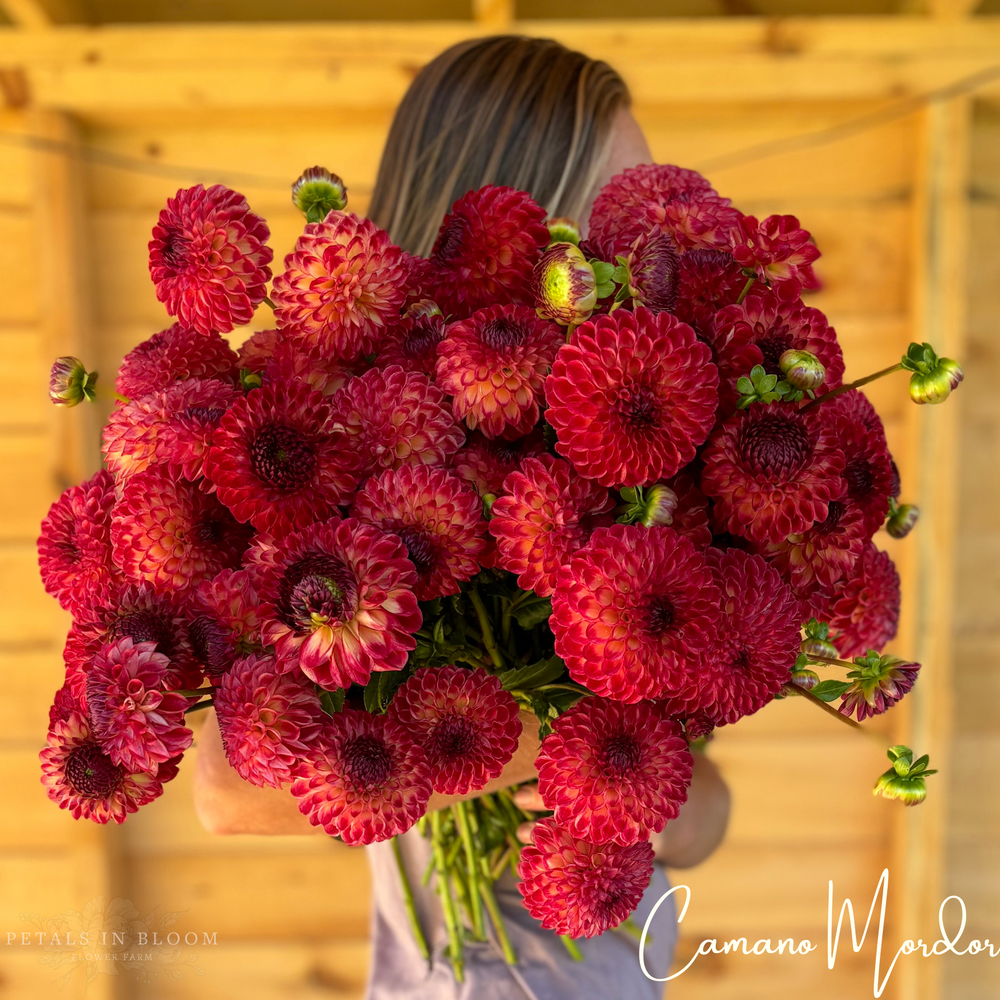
(545, 971)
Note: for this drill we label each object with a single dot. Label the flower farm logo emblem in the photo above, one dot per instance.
(112, 939)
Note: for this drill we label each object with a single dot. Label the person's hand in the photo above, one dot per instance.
(528, 799)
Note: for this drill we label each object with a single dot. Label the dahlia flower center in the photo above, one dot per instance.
(208, 530)
(454, 736)
(422, 339)
(281, 457)
(660, 615)
(367, 762)
(317, 590)
(774, 445)
(450, 242)
(772, 345)
(211, 644)
(91, 773)
(621, 754)
(859, 478)
(602, 891)
(637, 406)
(175, 250)
(835, 512)
(144, 625)
(421, 550)
(205, 414)
(501, 333)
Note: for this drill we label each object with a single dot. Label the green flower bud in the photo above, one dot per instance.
(802, 369)
(421, 308)
(812, 646)
(318, 192)
(70, 383)
(902, 519)
(565, 285)
(660, 503)
(807, 679)
(563, 230)
(933, 378)
(905, 780)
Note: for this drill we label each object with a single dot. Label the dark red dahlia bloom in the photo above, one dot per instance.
(280, 460)
(268, 719)
(707, 280)
(631, 397)
(614, 772)
(343, 284)
(778, 250)
(581, 889)
(258, 349)
(652, 264)
(779, 321)
(79, 776)
(681, 202)
(412, 343)
(71, 697)
(863, 613)
(772, 471)
(394, 418)
(339, 601)
(136, 719)
(632, 610)
(364, 779)
(172, 534)
(878, 683)
(74, 548)
(485, 251)
(208, 259)
(690, 516)
(300, 360)
(467, 725)
(486, 463)
(175, 355)
(437, 517)
(493, 364)
(758, 636)
(547, 512)
(225, 623)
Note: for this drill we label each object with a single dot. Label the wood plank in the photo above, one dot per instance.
(19, 266)
(30, 680)
(24, 402)
(29, 819)
(29, 618)
(25, 498)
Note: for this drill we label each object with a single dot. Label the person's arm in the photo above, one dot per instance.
(685, 841)
(226, 804)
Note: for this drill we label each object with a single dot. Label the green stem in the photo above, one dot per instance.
(411, 909)
(195, 692)
(830, 661)
(484, 624)
(447, 903)
(829, 709)
(571, 947)
(628, 926)
(207, 703)
(510, 956)
(856, 384)
(746, 289)
(268, 302)
(476, 904)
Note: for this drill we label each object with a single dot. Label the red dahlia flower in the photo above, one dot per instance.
(485, 251)
(631, 397)
(258, 349)
(690, 516)
(226, 622)
(707, 280)
(772, 471)
(343, 284)
(280, 460)
(758, 636)
(364, 778)
(493, 364)
(467, 725)
(175, 355)
(437, 517)
(172, 533)
(74, 548)
(267, 718)
(208, 259)
(412, 342)
(394, 418)
(878, 682)
(302, 361)
(79, 776)
(614, 772)
(581, 889)
(632, 610)
(485, 463)
(138, 721)
(547, 512)
(778, 250)
(339, 601)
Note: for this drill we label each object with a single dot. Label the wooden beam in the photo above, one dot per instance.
(41, 14)
(497, 15)
(952, 9)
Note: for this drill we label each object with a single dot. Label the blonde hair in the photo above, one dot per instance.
(520, 112)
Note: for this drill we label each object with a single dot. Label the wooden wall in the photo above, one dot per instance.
(291, 914)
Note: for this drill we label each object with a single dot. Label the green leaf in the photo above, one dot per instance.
(332, 701)
(381, 688)
(620, 275)
(757, 373)
(605, 288)
(602, 270)
(830, 690)
(534, 675)
(767, 383)
(532, 612)
(744, 385)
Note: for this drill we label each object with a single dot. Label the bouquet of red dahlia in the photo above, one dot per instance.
(617, 482)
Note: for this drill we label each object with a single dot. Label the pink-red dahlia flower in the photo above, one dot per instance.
(613, 772)
(280, 460)
(175, 355)
(394, 418)
(208, 259)
(343, 284)
(364, 779)
(494, 364)
(467, 725)
(268, 719)
(690, 516)
(412, 342)
(172, 534)
(258, 349)
(79, 776)
(631, 397)
(778, 250)
(485, 251)
(437, 517)
(74, 547)
(772, 471)
(136, 719)
(339, 601)
(547, 512)
(707, 280)
(632, 610)
(485, 463)
(225, 623)
(877, 683)
(299, 360)
(581, 889)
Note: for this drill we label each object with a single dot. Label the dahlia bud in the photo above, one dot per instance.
(651, 271)
(70, 383)
(819, 648)
(805, 678)
(660, 503)
(563, 230)
(802, 369)
(565, 285)
(318, 192)
(905, 779)
(933, 378)
(902, 518)
(421, 309)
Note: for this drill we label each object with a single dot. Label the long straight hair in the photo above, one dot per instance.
(520, 112)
